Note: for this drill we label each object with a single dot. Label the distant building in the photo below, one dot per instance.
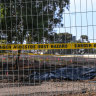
(74, 38)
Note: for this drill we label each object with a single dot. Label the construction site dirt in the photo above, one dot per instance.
(13, 82)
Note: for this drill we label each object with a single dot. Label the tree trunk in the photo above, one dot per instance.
(17, 60)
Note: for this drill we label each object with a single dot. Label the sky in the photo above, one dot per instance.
(80, 19)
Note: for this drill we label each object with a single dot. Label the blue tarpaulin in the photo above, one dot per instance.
(69, 73)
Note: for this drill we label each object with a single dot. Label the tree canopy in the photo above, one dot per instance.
(84, 37)
(64, 37)
(33, 17)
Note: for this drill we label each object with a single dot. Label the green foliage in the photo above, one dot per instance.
(78, 41)
(37, 18)
(1, 12)
(84, 37)
(65, 37)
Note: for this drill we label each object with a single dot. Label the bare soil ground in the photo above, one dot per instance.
(79, 94)
(64, 88)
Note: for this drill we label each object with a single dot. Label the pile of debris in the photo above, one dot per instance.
(66, 73)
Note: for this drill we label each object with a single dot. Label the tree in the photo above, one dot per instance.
(1, 12)
(84, 37)
(28, 39)
(65, 37)
(33, 17)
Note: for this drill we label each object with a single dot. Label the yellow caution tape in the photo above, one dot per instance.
(47, 46)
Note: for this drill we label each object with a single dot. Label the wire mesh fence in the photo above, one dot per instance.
(50, 72)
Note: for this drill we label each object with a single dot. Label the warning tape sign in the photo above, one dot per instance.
(47, 46)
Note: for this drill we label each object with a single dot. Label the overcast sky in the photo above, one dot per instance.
(80, 19)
